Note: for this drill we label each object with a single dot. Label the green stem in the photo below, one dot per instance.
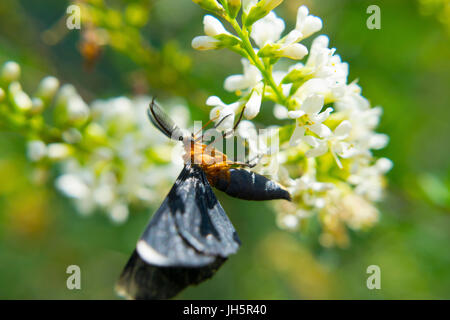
(243, 34)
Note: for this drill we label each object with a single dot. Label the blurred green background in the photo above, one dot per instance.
(404, 67)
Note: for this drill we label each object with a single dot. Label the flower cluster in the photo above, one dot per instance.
(108, 155)
(325, 157)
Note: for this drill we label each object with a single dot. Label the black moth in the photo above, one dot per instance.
(190, 236)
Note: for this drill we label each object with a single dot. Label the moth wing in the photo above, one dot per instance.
(204, 223)
(161, 243)
(140, 280)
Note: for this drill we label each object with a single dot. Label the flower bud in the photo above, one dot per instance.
(72, 135)
(10, 71)
(95, 133)
(21, 101)
(70, 107)
(294, 51)
(253, 104)
(119, 213)
(260, 10)
(205, 43)
(233, 8)
(47, 88)
(36, 150)
(213, 26)
(59, 151)
(211, 5)
(37, 105)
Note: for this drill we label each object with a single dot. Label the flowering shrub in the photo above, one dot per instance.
(110, 158)
(325, 157)
(108, 155)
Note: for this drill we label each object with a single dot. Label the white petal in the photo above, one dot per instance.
(312, 141)
(297, 135)
(307, 24)
(320, 129)
(344, 150)
(213, 26)
(214, 101)
(295, 114)
(384, 165)
(246, 129)
(215, 113)
(267, 29)
(378, 141)
(313, 104)
(295, 51)
(280, 112)
(253, 105)
(228, 122)
(321, 117)
(293, 37)
(343, 129)
(204, 43)
(320, 42)
(72, 186)
(311, 25)
(235, 82)
(318, 151)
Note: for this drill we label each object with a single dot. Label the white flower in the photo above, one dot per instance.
(307, 24)
(352, 100)
(288, 221)
(212, 26)
(319, 86)
(295, 51)
(323, 63)
(73, 186)
(119, 213)
(309, 117)
(205, 43)
(368, 180)
(267, 30)
(311, 190)
(115, 112)
(364, 122)
(36, 150)
(58, 151)
(280, 112)
(253, 104)
(75, 108)
(334, 142)
(221, 111)
(249, 79)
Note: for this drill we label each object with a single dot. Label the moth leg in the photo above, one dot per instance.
(252, 162)
(242, 164)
